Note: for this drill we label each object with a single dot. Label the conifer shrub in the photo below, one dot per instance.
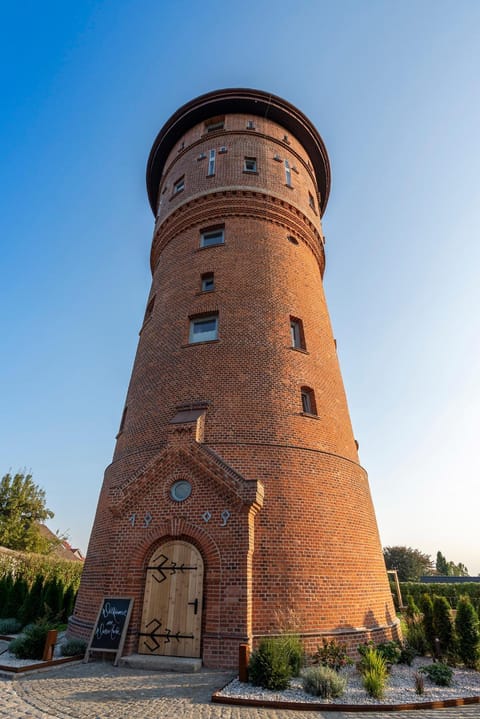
(426, 606)
(52, 597)
(467, 627)
(18, 592)
(322, 681)
(412, 610)
(32, 607)
(415, 638)
(69, 602)
(73, 647)
(6, 587)
(407, 654)
(31, 643)
(443, 626)
(439, 673)
(269, 665)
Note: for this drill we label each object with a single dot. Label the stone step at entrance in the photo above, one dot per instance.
(186, 665)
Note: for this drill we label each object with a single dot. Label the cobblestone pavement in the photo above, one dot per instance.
(100, 691)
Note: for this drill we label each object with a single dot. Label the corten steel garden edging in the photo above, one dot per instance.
(6, 670)
(217, 698)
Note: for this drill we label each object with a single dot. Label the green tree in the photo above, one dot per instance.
(52, 598)
(68, 602)
(450, 569)
(409, 563)
(466, 624)
(443, 625)
(22, 507)
(6, 587)
(441, 564)
(426, 607)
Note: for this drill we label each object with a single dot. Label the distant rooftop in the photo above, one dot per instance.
(443, 579)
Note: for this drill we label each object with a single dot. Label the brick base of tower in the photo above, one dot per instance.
(255, 583)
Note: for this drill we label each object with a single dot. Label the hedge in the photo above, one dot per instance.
(29, 566)
(451, 592)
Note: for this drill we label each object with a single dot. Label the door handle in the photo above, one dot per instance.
(194, 604)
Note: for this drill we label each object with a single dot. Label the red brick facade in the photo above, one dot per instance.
(255, 418)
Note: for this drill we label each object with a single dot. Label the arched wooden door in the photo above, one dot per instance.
(172, 606)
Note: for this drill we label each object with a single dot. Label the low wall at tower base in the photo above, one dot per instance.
(350, 638)
(221, 651)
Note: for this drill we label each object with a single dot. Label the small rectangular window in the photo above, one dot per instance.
(211, 163)
(288, 174)
(208, 282)
(179, 185)
(296, 333)
(210, 238)
(250, 164)
(216, 123)
(308, 401)
(311, 201)
(250, 125)
(203, 329)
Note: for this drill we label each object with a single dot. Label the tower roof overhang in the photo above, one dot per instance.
(239, 100)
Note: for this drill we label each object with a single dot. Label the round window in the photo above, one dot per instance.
(181, 490)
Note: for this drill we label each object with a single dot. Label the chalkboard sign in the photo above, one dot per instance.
(110, 627)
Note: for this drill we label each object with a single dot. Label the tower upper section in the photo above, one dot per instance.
(236, 141)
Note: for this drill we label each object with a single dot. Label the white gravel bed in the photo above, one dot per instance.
(400, 688)
(10, 660)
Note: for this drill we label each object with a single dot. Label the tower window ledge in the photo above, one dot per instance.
(299, 349)
(199, 344)
(309, 415)
(209, 247)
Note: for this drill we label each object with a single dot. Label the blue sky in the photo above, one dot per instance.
(393, 88)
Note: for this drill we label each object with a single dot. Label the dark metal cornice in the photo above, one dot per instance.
(239, 100)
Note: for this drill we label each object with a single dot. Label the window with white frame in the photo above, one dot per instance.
(211, 163)
(212, 237)
(179, 185)
(250, 164)
(203, 329)
(288, 174)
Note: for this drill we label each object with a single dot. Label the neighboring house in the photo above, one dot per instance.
(62, 549)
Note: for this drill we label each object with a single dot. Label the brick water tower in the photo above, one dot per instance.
(235, 506)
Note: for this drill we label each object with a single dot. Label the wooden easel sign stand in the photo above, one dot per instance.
(110, 628)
